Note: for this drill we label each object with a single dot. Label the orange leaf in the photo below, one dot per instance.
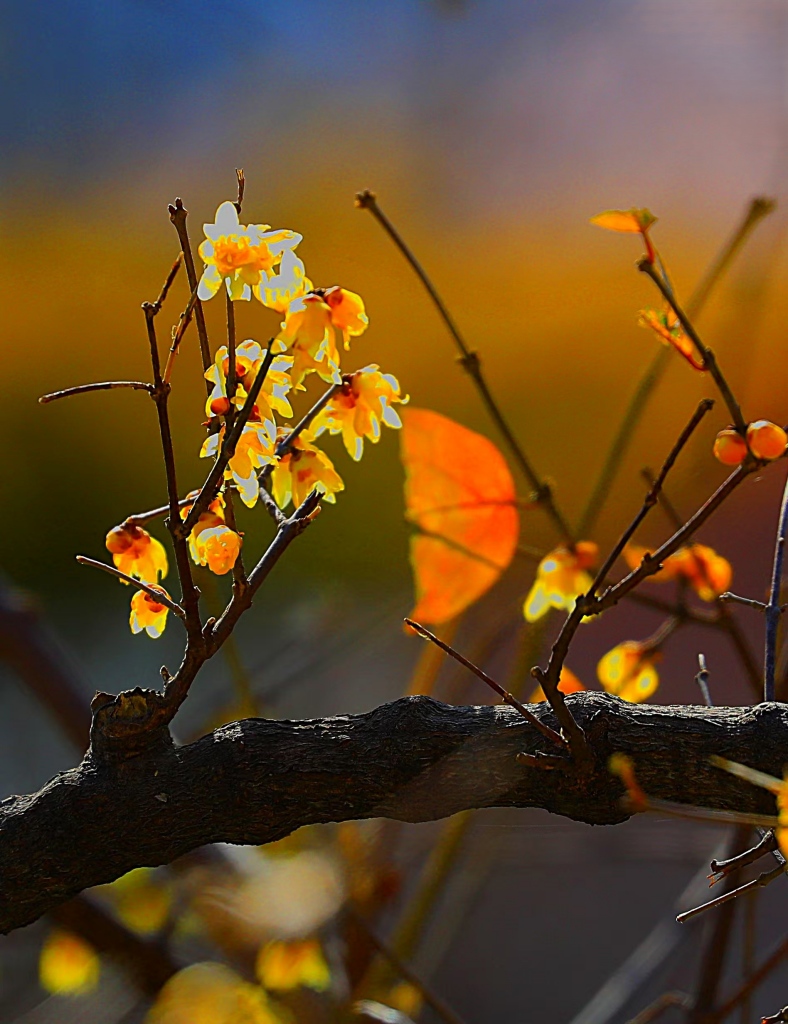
(634, 221)
(460, 494)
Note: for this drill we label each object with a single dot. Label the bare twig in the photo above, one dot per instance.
(756, 211)
(233, 433)
(178, 214)
(766, 844)
(773, 609)
(180, 330)
(664, 1002)
(748, 602)
(651, 498)
(157, 595)
(432, 999)
(138, 518)
(545, 730)
(702, 679)
(471, 363)
(705, 353)
(106, 385)
(763, 879)
(772, 960)
(239, 174)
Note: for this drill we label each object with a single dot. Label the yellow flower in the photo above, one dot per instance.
(141, 900)
(628, 671)
(68, 964)
(241, 256)
(209, 993)
(560, 579)
(218, 547)
(254, 450)
(136, 553)
(301, 471)
(290, 283)
(359, 407)
(282, 966)
(272, 398)
(147, 613)
(309, 330)
(708, 573)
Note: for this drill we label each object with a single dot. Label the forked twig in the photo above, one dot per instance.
(105, 385)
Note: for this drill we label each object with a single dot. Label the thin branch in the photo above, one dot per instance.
(173, 273)
(138, 518)
(773, 609)
(284, 446)
(705, 353)
(702, 679)
(651, 497)
(757, 210)
(763, 879)
(748, 602)
(239, 174)
(178, 214)
(471, 363)
(441, 1008)
(708, 814)
(772, 960)
(233, 433)
(177, 337)
(546, 731)
(664, 1002)
(106, 385)
(157, 595)
(271, 507)
(766, 844)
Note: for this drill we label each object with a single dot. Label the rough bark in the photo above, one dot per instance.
(132, 803)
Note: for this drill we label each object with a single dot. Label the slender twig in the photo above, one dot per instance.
(471, 363)
(651, 498)
(778, 1018)
(177, 337)
(707, 356)
(664, 1002)
(157, 595)
(233, 433)
(709, 814)
(772, 960)
(773, 609)
(509, 698)
(239, 174)
(749, 602)
(271, 507)
(441, 1008)
(106, 385)
(232, 376)
(763, 879)
(178, 214)
(766, 844)
(757, 210)
(284, 446)
(702, 679)
(138, 518)
(173, 273)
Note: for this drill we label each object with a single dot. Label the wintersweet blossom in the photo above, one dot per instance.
(708, 573)
(310, 326)
(243, 257)
(562, 576)
(272, 398)
(284, 287)
(254, 450)
(628, 671)
(284, 966)
(211, 541)
(136, 553)
(303, 469)
(67, 964)
(147, 613)
(357, 409)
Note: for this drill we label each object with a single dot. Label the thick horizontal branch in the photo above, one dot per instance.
(415, 759)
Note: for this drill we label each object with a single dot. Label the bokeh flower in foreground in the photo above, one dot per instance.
(147, 613)
(68, 965)
(136, 553)
(561, 578)
(210, 993)
(358, 408)
(302, 470)
(628, 671)
(241, 256)
(282, 966)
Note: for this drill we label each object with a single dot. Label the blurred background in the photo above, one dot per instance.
(491, 131)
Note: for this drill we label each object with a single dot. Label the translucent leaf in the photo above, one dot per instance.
(460, 494)
(633, 221)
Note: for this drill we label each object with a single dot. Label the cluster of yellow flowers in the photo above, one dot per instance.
(254, 261)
